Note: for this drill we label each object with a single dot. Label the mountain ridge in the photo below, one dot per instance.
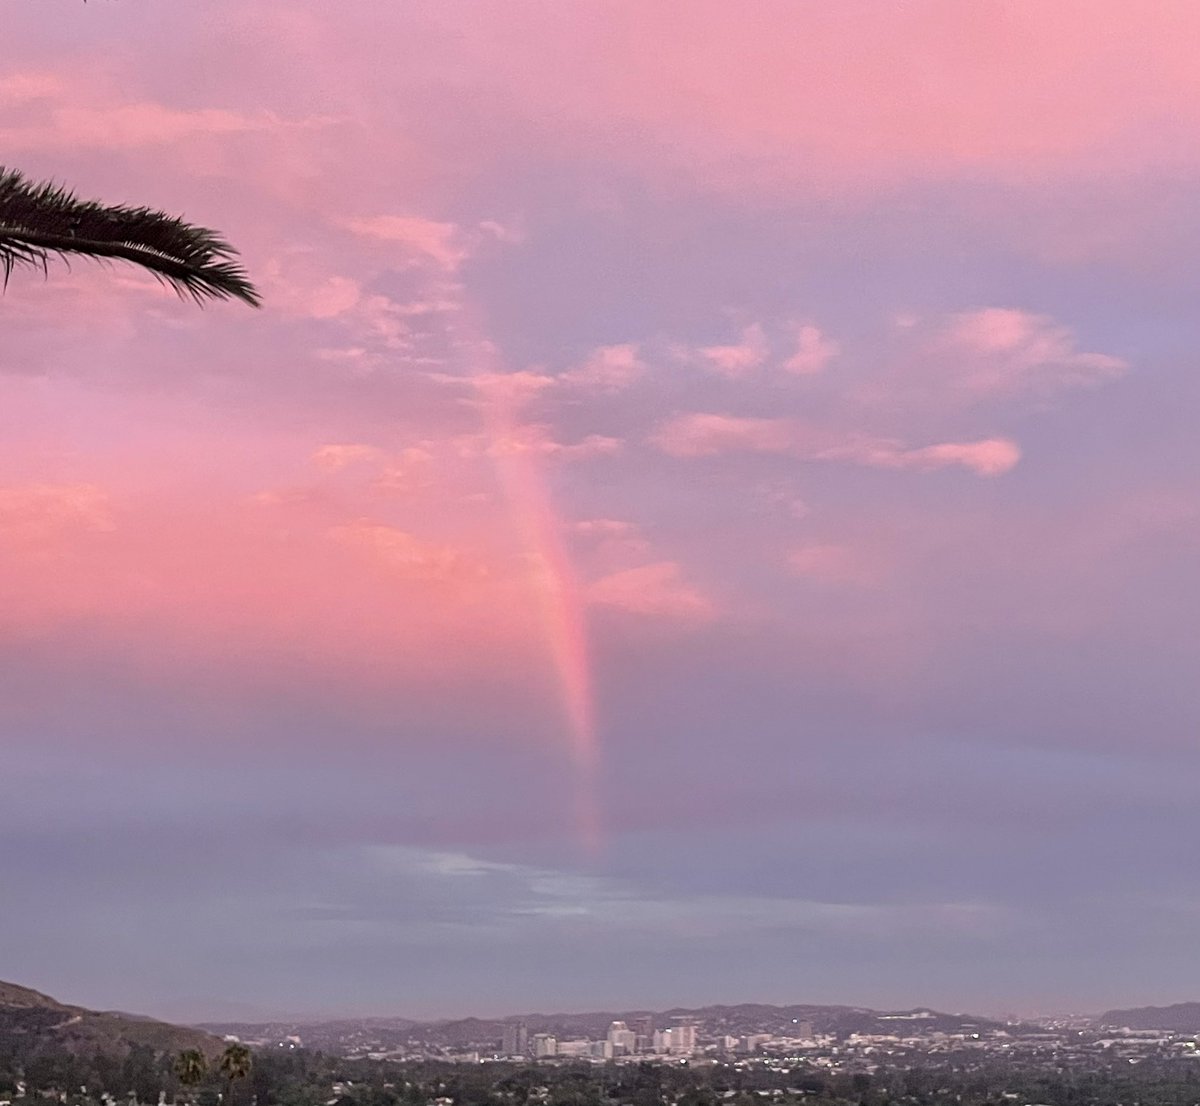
(33, 1024)
(1182, 1017)
(340, 1034)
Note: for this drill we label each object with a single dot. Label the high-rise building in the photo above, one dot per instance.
(544, 1044)
(643, 1034)
(622, 1038)
(516, 1039)
(680, 1039)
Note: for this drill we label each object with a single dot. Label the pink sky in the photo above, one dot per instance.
(675, 434)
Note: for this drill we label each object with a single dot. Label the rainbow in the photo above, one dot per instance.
(556, 596)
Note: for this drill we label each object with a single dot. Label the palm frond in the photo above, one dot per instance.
(38, 221)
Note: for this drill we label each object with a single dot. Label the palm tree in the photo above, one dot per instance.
(38, 221)
(236, 1061)
(190, 1067)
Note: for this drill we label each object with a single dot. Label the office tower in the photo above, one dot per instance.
(681, 1038)
(622, 1039)
(516, 1039)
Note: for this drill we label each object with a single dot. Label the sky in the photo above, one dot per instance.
(707, 511)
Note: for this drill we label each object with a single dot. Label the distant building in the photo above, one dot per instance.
(516, 1039)
(573, 1048)
(602, 1050)
(622, 1038)
(643, 1029)
(681, 1038)
(544, 1045)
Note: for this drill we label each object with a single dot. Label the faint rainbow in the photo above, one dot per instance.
(556, 595)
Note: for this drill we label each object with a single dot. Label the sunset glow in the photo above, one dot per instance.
(706, 511)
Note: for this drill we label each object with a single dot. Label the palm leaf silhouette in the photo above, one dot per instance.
(40, 221)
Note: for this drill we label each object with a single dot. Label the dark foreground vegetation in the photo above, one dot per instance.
(287, 1077)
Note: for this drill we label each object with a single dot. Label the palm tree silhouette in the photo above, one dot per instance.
(190, 1068)
(235, 1063)
(38, 221)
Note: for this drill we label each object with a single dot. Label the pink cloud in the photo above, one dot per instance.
(605, 527)
(535, 441)
(21, 87)
(411, 557)
(739, 359)
(813, 351)
(337, 456)
(834, 564)
(405, 473)
(33, 513)
(512, 390)
(609, 369)
(989, 457)
(654, 589)
(1001, 351)
(128, 126)
(706, 435)
(325, 297)
(610, 545)
(831, 100)
(423, 239)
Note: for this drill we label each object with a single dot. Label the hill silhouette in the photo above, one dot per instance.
(34, 1024)
(1183, 1017)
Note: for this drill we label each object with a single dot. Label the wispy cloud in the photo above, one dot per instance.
(711, 435)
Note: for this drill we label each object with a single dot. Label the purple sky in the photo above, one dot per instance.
(708, 511)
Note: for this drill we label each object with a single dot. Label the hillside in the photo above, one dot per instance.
(34, 1024)
(356, 1036)
(1183, 1017)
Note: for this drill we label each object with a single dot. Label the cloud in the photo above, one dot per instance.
(41, 512)
(533, 439)
(129, 126)
(333, 457)
(609, 369)
(989, 457)
(708, 435)
(813, 351)
(437, 243)
(652, 589)
(833, 564)
(409, 555)
(18, 88)
(1001, 352)
(738, 359)
(509, 391)
(605, 527)
(609, 545)
(803, 101)
(408, 471)
(41, 110)
(497, 897)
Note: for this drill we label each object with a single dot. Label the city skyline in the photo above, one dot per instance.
(707, 511)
